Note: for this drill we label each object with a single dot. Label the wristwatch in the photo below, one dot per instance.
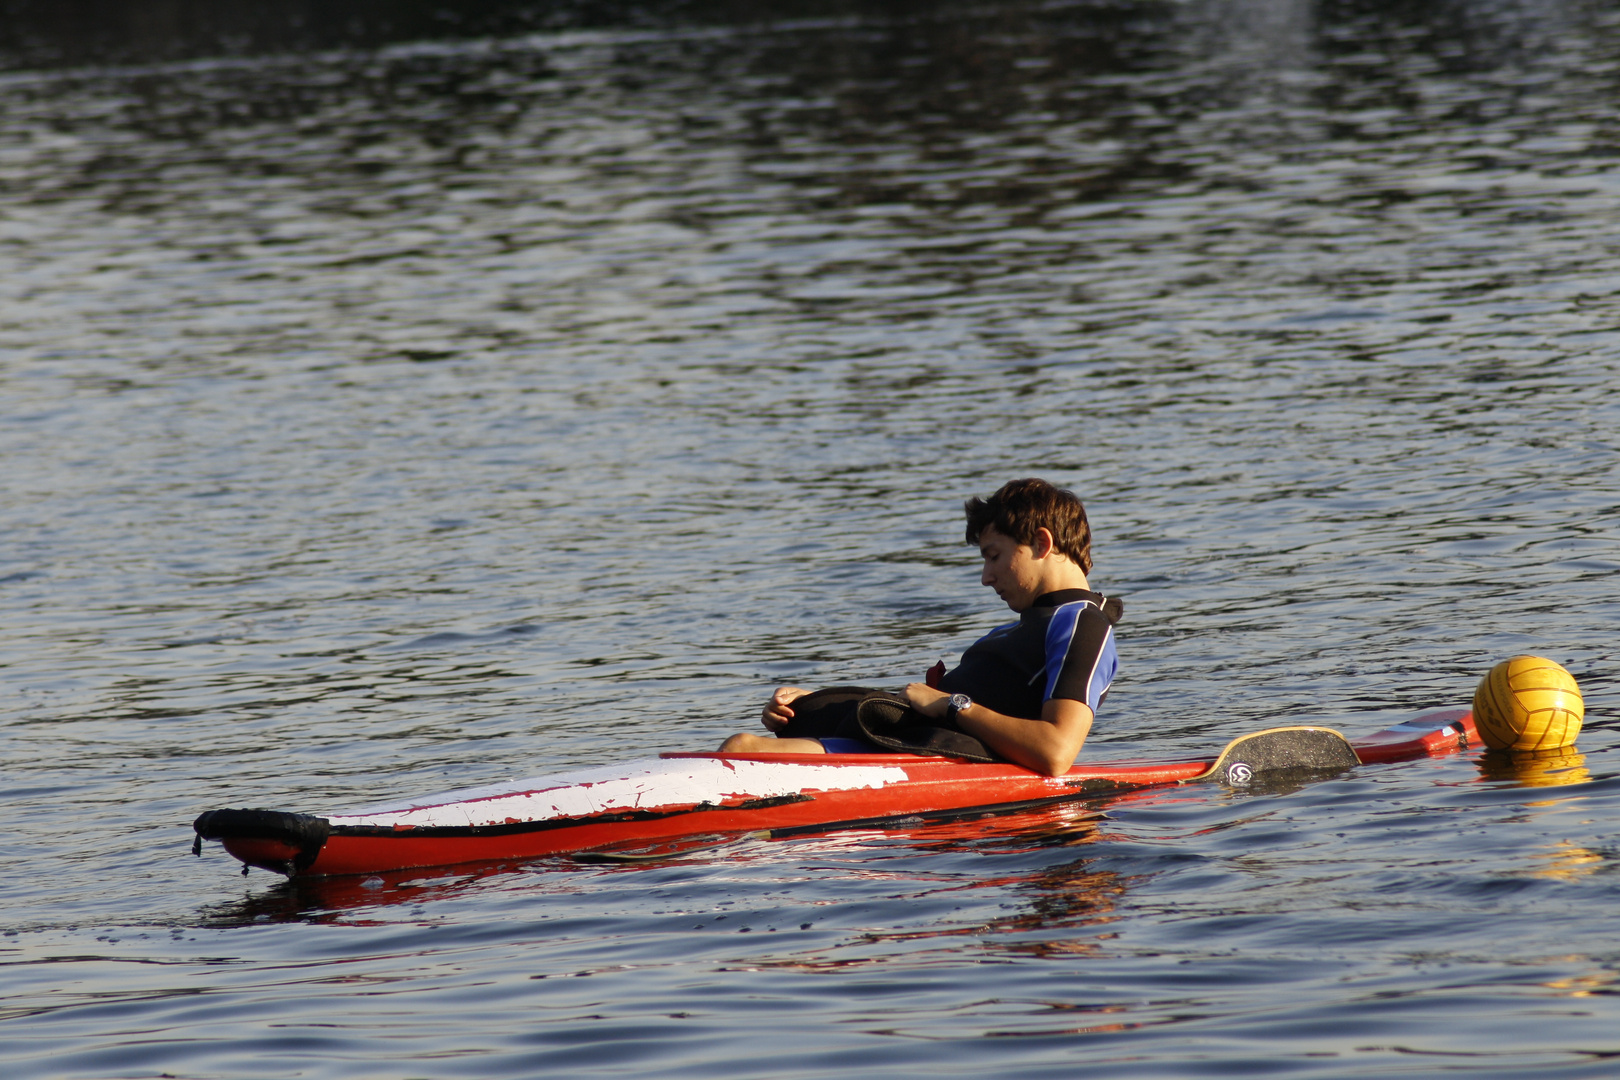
(956, 704)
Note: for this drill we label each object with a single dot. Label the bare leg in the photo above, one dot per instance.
(769, 744)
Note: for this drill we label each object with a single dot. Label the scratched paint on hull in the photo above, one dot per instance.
(649, 784)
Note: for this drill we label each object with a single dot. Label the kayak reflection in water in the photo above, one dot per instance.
(1026, 692)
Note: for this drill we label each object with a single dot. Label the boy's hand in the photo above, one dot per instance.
(926, 700)
(778, 710)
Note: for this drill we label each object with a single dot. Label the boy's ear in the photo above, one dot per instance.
(1043, 545)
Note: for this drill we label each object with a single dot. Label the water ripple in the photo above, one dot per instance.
(403, 416)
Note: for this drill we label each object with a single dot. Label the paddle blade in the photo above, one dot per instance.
(1279, 750)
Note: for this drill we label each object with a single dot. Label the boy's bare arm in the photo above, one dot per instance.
(1049, 745)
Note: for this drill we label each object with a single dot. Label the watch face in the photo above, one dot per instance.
(960, 702)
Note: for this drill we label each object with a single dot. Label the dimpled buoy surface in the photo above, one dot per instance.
(1528, 703)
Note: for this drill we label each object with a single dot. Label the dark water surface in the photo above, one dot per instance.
(382, 420)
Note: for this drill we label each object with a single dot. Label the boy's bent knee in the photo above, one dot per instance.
(745, 743)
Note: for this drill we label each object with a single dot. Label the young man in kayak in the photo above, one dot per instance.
(1028, 690)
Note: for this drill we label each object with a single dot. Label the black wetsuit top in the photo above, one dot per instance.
(1062, 647)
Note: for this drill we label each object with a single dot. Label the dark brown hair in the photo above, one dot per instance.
(1020, 508)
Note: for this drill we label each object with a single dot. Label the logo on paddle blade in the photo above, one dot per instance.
(1238, 773)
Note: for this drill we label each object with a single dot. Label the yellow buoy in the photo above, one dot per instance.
(1528, 703)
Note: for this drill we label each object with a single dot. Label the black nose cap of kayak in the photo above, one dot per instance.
(306, 832)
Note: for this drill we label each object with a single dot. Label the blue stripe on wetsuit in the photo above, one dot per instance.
(1060, 635)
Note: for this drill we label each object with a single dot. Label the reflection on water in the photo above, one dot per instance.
(143, 31)
(329, 900)
(419, 413)
(1535, 768)
(1568, 862)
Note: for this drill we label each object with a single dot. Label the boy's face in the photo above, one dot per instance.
(1010, 568)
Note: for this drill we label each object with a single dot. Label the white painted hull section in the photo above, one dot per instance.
(649, 784)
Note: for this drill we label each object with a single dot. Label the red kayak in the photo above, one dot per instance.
(693, 794)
